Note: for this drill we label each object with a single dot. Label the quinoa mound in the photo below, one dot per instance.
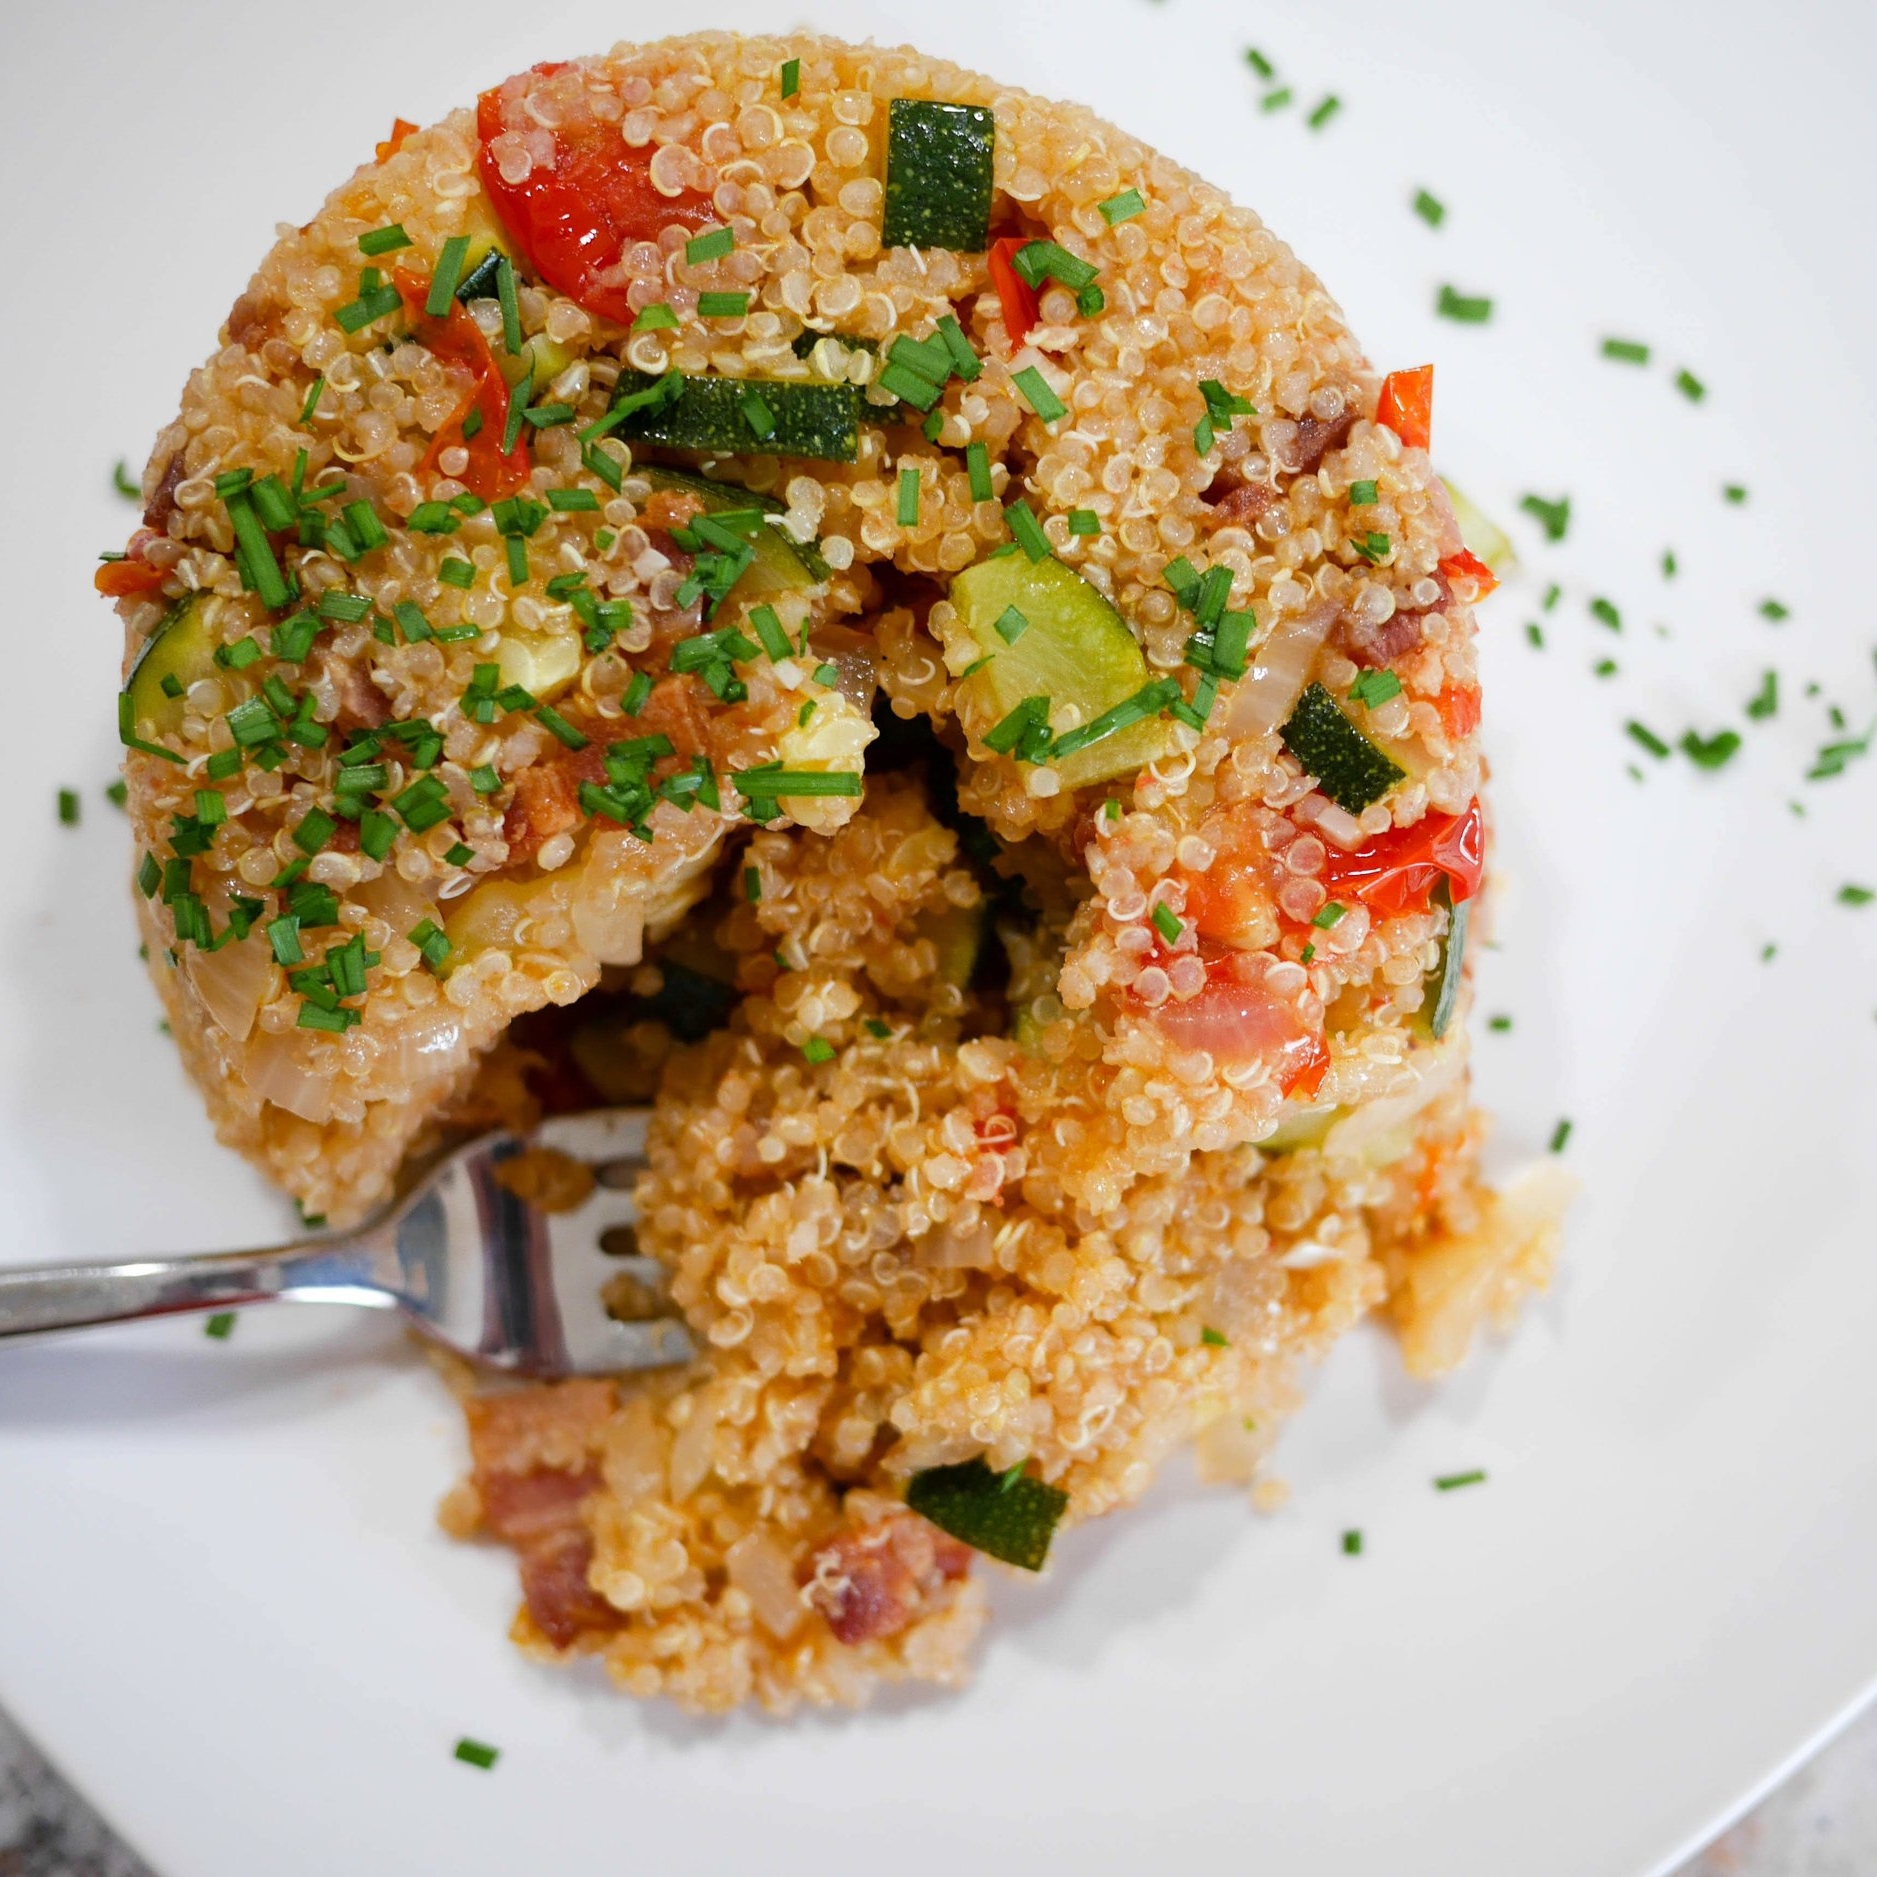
(1039, 1081)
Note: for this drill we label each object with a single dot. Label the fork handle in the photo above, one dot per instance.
(77, 1296)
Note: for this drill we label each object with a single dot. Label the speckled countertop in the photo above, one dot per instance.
(1821, 1823)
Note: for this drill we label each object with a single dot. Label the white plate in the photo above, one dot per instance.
(223, 1605)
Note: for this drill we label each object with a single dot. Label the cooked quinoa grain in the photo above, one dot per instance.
(982, 735)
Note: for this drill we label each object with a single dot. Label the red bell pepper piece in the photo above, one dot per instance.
(1406, 405)
(1014, 294)
(1467, 565)
(401, 127)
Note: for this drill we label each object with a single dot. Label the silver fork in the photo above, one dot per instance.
(471, 1266)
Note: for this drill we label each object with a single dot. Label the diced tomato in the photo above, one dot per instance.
(575, 213)
(1458, 705)
(1407, 405)
(400, 129)
(1397, 871)
(118, 579)
(1237, 1017)
(1014, 294)
(458, 340)
(1467, 565)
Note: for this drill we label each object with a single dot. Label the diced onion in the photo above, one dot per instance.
(233, 983)
(1265, 696)
(273, 1070)
(758, 1567)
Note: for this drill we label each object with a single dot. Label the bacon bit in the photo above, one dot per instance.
(546, 802)
(361, 705)
(401, 128)
(1467, 565)
(1458, 705)
(1374, 646)
(162, 504)
(871, 1583)
(1315, 439)
(1407, 405)
(520, 1507)
(251, 322)
(564, 1605)
(459, 341)
(1237, 1017)
(1014, 294)
(1242, 504)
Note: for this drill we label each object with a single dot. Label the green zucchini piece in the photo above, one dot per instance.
(1449, 971)
(1073, 649)
(1309, 1129)
(938, 175)
(1480, 534)
(714, 414)
(782, 563)
(1009, 1516)
(957, 934)
(181, 650)
(483, 255)
(1349, 769)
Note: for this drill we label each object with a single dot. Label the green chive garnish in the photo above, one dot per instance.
(384, 240)
(1324, 112)
(1430, 208)
(1451, 1482)
(1167, 924)
(712, 245)
(657, 317)
(507, 296)
(791, 77)
(1467, 309)
(978, 468)
(476, 1753)
(722, 305)
(909, 498)
(1038, 395)
(1626, 351)
(1690, 386)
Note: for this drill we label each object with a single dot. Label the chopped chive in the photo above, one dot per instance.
(1027, 530)
(312, 399)
(818, 1049)
(1710, 752)
(472, 425)
(68, 808)
(632, 700)
(910, 386)
(712, 245)
(1734, 492)
(1535, 635)
(1324, 112)
(1122, 208)
(1362, 494)
(1352, 1543)
(509, 300)
(1452, 1482)
(1010, 625)
(1641, 733)
(827, 676)
(1167, 924)
(1764, 702)
(1259, 63)
(457, 573)
(1626, 351)
(1553, 517)
(1468, 309)
(117, 793)
(768, 628)
(1430, 208)
(722, 305)
(124, 483)
(756, 413)
(573, 501)
(459, 856)
(1560, 1136)
(658, 317)
(220, 1326)
(978, 469)
(1500, 1024)
(908, 514)
(773, 783)
(1038, 395)
(1084, 521)
(444, 281)
(791, 77)
(549, 416)
(752, 884)
(362, 523)
(1375, 687)
(476, 1753)
(1774, 610)
(1605, 613)
(384, 240)
(1330, 915)
(1605, 668)
(1690, 386)
(1373, 547)
(1275, 100)
(1853, 895)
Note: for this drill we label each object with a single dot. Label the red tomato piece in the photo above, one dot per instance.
(1407, 405)
(1014, 294)
(1397, 871)
(1458, 705)
(586, 199)
(401, 127)
(458, 340)
(1467, 565)
(1237, 1017)
(118, 579)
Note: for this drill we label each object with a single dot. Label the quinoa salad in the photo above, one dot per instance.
(880, 618)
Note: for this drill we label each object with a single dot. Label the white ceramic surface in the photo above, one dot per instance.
(223, 1604)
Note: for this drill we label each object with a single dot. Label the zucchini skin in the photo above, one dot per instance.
(1349, 769)
(938, 175)
(1450, 973)
(821, 421)
(717, 496)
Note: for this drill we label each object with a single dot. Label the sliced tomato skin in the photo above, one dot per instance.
(1014, 294)
(1397, 871)
(117, 579)
(1407, 405)
(492, 473)
(573, 217)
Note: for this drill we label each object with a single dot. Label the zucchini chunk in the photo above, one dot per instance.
(938, 175)
(1480, 534)
(1449, 971)
(1071, 647)
(179, 653)
(1349, 769)
(747, 417)
(1008, 1516)
(782, 563)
